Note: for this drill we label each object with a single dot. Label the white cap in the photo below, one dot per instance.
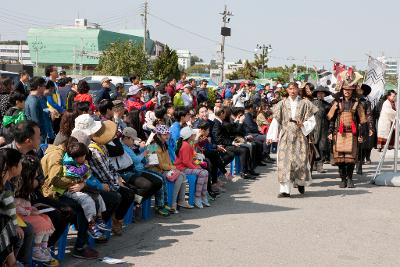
(87, 124)
(186, 132)
(279, 85)
(133, 90)
(298, 84)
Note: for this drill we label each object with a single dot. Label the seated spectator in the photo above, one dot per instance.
(182, 116)
(202, 116)
(42, 226)
(185, 155)
(11, 233)
(167, 168)
(149, 120)
(104, 171)
(223, 138)
(134, 100)
(67, 124)
(148, 182)
(81, 108)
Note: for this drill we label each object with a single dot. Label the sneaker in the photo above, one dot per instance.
(168, 208)
(47, 252)
(162, 211)
(101, 225)
(198, 203)
(39, 255)
(94, 232)
(85, 253)
(185, 205)
(205, 201)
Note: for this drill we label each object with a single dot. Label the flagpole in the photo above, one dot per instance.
(396, 132)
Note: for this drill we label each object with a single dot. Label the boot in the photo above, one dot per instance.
(343, 183)
(350, 183)
(116, 226)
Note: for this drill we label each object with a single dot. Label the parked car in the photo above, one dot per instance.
(7, 74)
(95, 89)
(114, 79)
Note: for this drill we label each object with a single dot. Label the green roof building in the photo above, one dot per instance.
(75, 45)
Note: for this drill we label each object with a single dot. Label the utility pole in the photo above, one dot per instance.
(225, 31)
(265, 50)
(37, 46)
(145, 27)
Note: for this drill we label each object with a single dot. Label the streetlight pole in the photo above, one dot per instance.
(224, 32)
(37, 46)
(265, 49)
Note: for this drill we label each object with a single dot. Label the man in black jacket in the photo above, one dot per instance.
(250, 128)
(222, 137)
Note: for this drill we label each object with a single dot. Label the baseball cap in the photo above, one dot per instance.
(105, 79)
(130, 132)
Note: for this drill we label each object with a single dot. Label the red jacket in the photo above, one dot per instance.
(85, 98)
(184, 160)
(170, 90)
(136, 103)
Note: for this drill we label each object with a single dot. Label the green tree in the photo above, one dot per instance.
(248, 72)
(194, 59)
(198, 69)
(124, 58)
(166, 65)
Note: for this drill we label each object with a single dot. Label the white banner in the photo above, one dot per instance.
(375, 77)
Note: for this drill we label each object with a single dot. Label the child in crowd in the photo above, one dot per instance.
(78, 172)
(167, 168)
(41, 223)
(13, 115)
(11, 233)
(184, 162)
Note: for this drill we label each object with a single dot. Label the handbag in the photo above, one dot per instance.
(172, 175)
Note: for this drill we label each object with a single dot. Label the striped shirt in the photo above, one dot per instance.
(7, 205)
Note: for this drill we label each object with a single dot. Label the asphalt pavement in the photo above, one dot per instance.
(249, 226)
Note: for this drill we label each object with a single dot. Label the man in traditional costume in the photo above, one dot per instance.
(364, 150)
(386, 119)
(320, 132)
(345, 115)
(295, 118)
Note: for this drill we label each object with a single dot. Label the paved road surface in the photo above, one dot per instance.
(250, 226)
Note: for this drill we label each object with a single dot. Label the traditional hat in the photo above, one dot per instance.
(349, 80)
(106, 134)
(366, 89)
(321, 88)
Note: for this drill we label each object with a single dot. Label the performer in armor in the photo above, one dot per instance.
(345, 115)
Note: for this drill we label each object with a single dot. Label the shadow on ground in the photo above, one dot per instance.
(145, 238)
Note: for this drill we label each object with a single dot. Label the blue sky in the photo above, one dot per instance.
(297, 30)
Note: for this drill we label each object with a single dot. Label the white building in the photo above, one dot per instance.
(15, 54)
(183, 59)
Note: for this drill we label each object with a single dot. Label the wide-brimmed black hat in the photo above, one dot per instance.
(321, 88)
(366, 89)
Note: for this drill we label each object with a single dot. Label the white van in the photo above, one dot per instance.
(114, 79)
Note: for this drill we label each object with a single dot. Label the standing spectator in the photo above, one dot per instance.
(22, 85)
(63, 74)
(33, 107)
(54, 99)
(241, 97)
(83, 94)
(202, 93)
(170, 88)
(69, 99)
(386, 118)
(105, 90)
(105, 108)
(187, 96)
(65, 86)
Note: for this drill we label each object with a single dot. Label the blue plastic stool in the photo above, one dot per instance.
(192, 189)
(62, 244)
(130, 214)
(146, 209)
(235, 165)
